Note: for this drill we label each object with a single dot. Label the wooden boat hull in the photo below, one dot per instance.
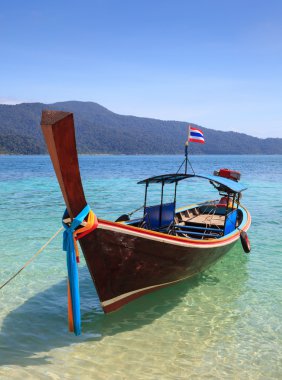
(126, 262)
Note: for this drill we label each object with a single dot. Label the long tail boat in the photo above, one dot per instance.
(131, 257)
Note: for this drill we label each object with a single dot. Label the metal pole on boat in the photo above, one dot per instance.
(186, 156)
(145, 200)
(175, 189)
(233, 200)
(161, 208)
(186, 149)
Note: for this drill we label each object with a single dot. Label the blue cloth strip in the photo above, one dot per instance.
(68, 246)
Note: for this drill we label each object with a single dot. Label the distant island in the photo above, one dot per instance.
(100, 131)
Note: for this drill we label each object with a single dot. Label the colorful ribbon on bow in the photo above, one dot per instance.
(71, 234)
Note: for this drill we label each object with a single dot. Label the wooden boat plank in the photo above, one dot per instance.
(208, 219)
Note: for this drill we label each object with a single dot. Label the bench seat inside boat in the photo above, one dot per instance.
(200, 234)
(186, 227)
(198, 231)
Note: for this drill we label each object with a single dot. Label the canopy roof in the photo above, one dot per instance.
(166, 178)
(227, 184)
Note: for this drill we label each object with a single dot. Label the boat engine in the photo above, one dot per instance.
(228, 173)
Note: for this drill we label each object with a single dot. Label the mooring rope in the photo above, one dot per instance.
(32, 258)
(133, 212)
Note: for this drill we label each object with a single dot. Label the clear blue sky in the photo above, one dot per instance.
(217, 63)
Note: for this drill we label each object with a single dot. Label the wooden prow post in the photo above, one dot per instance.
(59, 134)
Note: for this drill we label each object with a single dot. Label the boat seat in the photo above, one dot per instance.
(159, 217)
(231, 221)
(199, 228)
(186, 232)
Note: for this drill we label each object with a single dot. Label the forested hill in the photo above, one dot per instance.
(99, 130)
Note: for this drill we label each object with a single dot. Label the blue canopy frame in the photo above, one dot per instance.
(157, 214)
(228, 184)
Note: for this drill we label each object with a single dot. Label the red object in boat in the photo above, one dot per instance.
(222, 202)
(230, 174)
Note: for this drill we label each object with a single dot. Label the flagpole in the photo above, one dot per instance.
(186, 149)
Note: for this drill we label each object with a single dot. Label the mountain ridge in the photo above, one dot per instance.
(101, 131)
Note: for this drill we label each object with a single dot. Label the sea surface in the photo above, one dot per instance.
(223, 324)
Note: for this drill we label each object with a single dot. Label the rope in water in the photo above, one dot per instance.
(72, 233)
(32, 258)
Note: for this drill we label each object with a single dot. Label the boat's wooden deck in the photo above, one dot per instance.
(208, 219)
(193, 216)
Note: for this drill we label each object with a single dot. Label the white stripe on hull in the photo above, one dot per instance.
(125, 295)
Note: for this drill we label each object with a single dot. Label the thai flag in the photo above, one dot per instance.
(196, 135)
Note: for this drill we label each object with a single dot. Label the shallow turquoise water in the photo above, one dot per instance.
(225, 323)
